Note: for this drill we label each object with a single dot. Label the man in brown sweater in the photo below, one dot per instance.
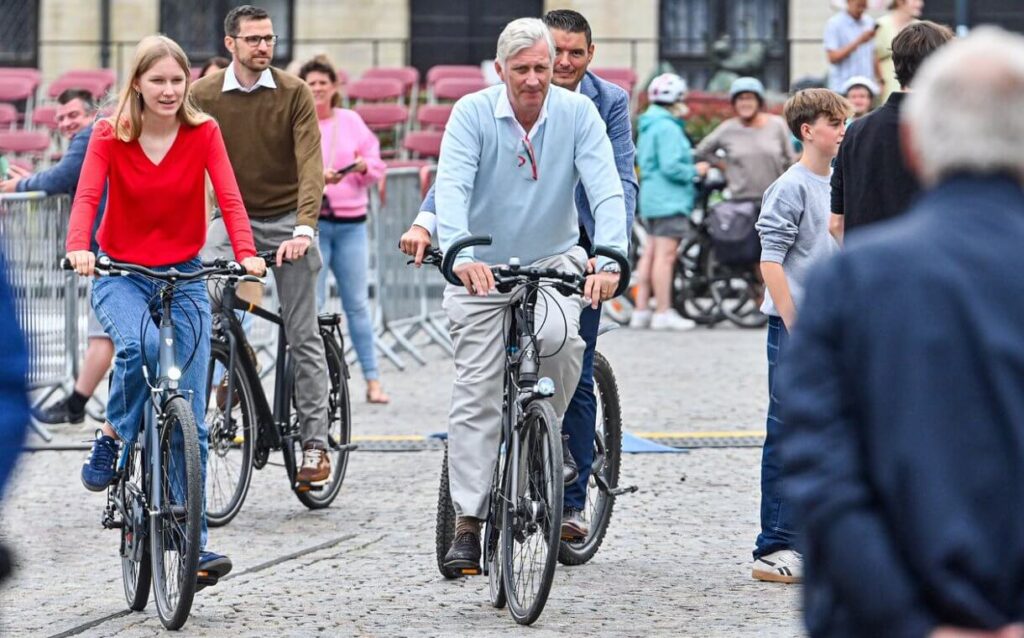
(270, 129)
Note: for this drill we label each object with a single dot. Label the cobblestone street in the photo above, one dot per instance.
(676, 560)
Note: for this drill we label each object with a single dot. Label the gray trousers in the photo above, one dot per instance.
(296, 288)
(478, 332)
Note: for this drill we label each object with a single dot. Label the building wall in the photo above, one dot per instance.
(360, 22)
(609, 20)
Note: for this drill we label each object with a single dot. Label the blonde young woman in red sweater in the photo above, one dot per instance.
(154, 152)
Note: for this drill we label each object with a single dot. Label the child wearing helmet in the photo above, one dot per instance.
(860, 90)
(667, 193)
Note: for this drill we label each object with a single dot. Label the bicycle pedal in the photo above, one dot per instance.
(573, 538)
(470, 571)
(308, 487)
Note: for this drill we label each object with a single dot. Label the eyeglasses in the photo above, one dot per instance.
(254, 40)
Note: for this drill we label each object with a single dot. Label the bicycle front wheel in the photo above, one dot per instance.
(136, 568)
(174, 529)
(531, 521)
(232, 439)
(604, 473)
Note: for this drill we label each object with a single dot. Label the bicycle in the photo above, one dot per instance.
(524, 515)
(159, 543)
(245, 428)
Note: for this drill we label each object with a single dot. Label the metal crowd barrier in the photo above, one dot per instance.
(52, 305)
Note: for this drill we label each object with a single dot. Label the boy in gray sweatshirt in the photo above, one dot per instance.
(793, 226)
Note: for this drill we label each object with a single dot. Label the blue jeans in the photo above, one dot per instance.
(344, 250)
(120, 304)
(580, 417)
(776, 513)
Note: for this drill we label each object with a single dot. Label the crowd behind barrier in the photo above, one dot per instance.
(53, 305)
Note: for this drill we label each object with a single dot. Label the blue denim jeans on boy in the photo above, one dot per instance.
(776, 514)
(345, 251)
(122, 306)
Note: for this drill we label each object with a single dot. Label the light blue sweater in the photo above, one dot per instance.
(485, 183)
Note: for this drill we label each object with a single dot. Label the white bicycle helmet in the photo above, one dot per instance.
(667, 88)
(860, 80)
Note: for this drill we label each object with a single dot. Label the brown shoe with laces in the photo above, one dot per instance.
(315, 469)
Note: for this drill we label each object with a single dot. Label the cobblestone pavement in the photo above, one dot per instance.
(675, 562)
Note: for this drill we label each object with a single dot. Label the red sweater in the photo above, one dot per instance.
(156, 213)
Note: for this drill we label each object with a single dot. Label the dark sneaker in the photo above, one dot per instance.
(212, 567)
(464, 554)
(315, 469)
(98, 472)
(570, 471)
(59, 412)
(574, 527)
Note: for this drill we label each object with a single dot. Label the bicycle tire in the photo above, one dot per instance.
(136, 568)
(229, 463)
(492, 535)
(173, 607)
(339, 426)
(444, 527)
(691, 295)
(540, 482)
(735, 290)
(607, 460)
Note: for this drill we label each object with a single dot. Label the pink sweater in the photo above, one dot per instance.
(344, 136)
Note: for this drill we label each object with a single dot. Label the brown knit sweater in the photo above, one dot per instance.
(273, 141)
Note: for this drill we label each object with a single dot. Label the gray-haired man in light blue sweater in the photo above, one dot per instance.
(510, 160)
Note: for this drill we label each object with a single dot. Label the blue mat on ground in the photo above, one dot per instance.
(631, 444)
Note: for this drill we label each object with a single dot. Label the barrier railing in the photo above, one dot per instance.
(52, 305)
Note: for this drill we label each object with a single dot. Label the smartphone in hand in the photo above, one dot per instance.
(347, 169)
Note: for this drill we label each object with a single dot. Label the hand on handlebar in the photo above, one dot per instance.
(255, 266)
(600, 287)
(82, 262)
(415, 242)
(476, 277)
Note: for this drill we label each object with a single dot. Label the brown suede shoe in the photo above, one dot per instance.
(315, 469)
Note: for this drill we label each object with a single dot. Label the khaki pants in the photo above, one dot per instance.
(477, 326)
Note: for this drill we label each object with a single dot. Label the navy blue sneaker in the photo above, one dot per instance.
(212, 567)
(99, 471)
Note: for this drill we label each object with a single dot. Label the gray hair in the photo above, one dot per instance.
(965, 111)
(522, 34)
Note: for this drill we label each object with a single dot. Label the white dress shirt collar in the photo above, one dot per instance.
(231, 82)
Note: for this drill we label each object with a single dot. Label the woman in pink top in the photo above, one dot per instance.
(351, 165)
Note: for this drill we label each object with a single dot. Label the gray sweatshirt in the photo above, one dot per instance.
(794, 228)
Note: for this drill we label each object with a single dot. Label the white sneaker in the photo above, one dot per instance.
(640, 319)
(670, 320)
(783, 566)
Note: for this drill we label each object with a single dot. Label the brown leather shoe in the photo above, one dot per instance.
(222, 395)
(315, 469)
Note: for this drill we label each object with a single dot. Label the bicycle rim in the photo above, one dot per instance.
(174, 531)
(232, 440)
(136, 570)
(531, 526)
(492, 535)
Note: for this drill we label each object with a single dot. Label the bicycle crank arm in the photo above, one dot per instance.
(619, 491)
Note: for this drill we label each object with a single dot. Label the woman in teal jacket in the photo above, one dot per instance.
(667, 193)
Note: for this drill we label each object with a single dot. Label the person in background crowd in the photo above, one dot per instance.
(74, 121)
(860, 91)
(214, 64)
(904, 440)
(281, 176)
(901, 13)
(667, 192)
(153, 152)
(13, 394)
(794, 238)
(870, 181)
(352, 163)
(757, 145)
(849, 44)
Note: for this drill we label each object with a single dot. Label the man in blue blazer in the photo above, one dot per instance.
(74, 120)
(574, 50)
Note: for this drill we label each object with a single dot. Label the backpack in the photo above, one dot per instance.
(733, 236)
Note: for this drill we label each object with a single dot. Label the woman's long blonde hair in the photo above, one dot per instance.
(127, 118)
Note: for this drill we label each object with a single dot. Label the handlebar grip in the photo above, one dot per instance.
(65, 264)
(453, 252)
(620, 259)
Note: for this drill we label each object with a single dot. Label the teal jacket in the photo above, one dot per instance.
(667, 170)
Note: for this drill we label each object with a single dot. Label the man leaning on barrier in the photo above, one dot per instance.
(75, 117)
(510, 159)
(574, 51)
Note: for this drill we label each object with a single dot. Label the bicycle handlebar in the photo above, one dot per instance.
(512, 274)
(214, 267)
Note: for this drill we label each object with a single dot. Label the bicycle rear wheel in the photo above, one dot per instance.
(136, 569)
(174, 530)
(444, 528)
(607, 461)
(531, 523)
(737, 292)
(232, 440)
(339, 427)
(691, 293)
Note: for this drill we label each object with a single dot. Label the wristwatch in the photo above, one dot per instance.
(611, 267)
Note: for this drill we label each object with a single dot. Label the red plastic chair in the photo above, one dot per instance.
(45, 116)
(455, 88)
(433, 116)
(24, 141)
(379, 117)
(22, 72)
(15, 89)
(616, 74)
(445, 71)
(8, 116)
(423, 144)
(97, 86)
(105, 75)
(409, 76)
(376, 90)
